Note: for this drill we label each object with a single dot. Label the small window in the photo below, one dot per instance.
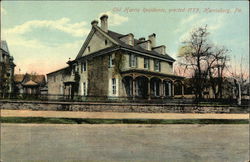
(132, 60)
(76, 68)
(106, 42)
(54, 78)
(111, 61)
(84, 66)
(157, 65)
(89, 48)
(146, 63)
(114, 86)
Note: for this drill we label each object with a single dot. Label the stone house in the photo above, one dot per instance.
(7, 67)
(31, 84)
(111, 65)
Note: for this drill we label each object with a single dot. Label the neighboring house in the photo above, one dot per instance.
(7, 67)
(29, 83)
(116, 65)
(229, 89)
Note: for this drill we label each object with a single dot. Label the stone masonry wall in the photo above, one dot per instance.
(117, 107)
(98, 76)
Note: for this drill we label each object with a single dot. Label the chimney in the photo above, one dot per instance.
(142, 39)
(152, 39)
(128, 39)
(104, 22)
(160, 49)
(94, 23)
(145, 45)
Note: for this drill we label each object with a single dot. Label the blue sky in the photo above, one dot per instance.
(43, 35)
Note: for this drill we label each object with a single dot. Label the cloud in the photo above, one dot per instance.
(30, 53)
(3, 11)
(63, 25)
(34, 56)
(184, 22)
(114, 19)
(194, 21)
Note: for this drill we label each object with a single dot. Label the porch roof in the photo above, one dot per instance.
(150, 74)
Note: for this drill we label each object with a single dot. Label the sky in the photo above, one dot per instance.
(43, 35)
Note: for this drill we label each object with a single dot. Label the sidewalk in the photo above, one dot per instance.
(115, 115)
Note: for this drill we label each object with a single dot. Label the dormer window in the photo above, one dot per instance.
(89, 48)
(106, 42)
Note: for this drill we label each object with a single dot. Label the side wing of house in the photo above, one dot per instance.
(56, 82)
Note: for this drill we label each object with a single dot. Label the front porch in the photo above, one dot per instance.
(151, 85)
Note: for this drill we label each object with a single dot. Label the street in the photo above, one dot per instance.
(25, 142)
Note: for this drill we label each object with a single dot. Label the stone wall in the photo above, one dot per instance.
(119, 107)
(98, 76)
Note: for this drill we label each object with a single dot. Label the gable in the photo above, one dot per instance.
(95, 41)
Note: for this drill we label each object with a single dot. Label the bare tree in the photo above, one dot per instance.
(193, 56)
(204, 60)
(241, 79)
(217, 63)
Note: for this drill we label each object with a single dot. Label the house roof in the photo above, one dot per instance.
(58, 70)
(116, 37)
(38, 79)
(4, 46)
(159, 74)
(30, 83)
(18, 77)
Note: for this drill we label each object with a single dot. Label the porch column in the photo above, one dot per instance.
(149, 90)
(169, 89)
(161, 89)
(70, 91)
(182, 89)
(133, 92)
(172, 89)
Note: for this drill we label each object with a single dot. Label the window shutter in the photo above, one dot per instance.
(159, 66)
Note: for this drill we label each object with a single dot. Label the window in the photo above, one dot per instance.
(114, 86)
(132, 60)
(76, 68)
(111, 61)
(106, 42)
(54, 78)
(84, 66)
(146, 63)
(156, 88)
(157, 65)
(61, 89)
(89, 48)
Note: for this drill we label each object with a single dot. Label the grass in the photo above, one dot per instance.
(42, 120)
